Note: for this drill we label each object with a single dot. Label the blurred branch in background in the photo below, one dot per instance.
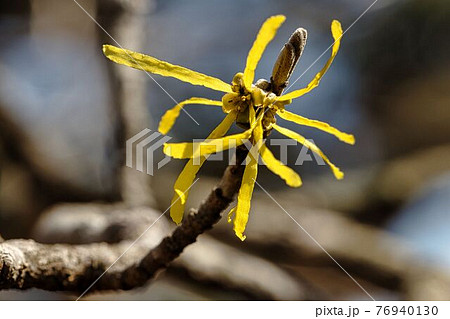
(126, 22)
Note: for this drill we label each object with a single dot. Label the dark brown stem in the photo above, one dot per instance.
(196, 223)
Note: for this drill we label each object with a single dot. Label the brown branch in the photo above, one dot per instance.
(26, 264)
(207, 262)
(194, 224)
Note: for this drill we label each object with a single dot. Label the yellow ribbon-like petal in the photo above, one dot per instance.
(252, 115)
(168, 119)
(245, 195)
(344, 137)
(190, 170)
(291, 178)
(194, 150)
(150, 64)
(242, 209)
(302, 140)
(265, 35)
(336, 31)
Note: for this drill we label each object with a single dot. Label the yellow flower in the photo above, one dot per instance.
(248, 105)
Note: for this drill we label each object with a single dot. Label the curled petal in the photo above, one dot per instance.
(295, 136)
(265, 35)
(291, 178)
(344, 137)
(150, 64)
(210, 146)
(169, 118)
(190, 170)
(194, 150)
(336, 30)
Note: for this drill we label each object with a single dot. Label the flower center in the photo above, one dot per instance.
(263, 101)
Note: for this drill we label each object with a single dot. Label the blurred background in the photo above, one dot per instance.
(66, 112)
